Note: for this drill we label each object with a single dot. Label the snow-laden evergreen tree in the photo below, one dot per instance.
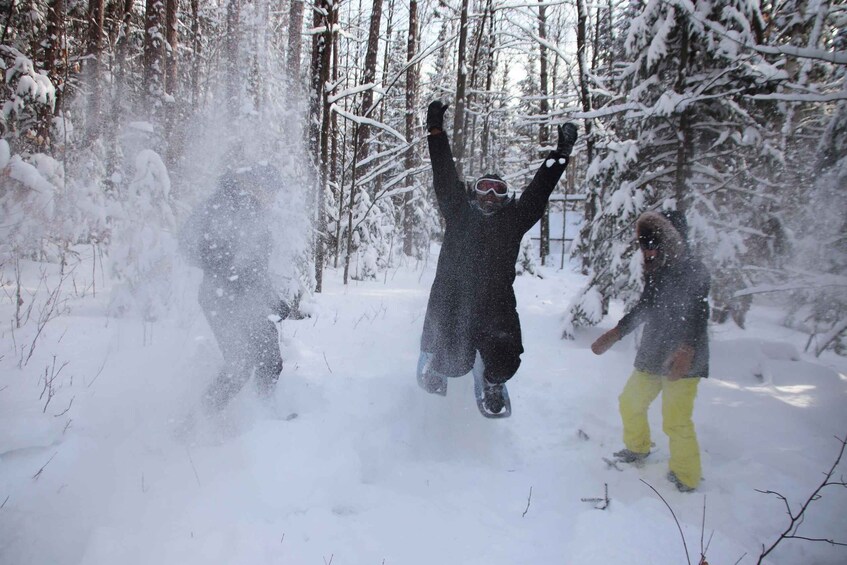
(817, 270)
(809, 127)
(527, 263)
(685, 134)
(144, 245)
(375, 237)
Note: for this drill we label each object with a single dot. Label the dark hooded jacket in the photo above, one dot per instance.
(674, 306)
(227, 236)
(472, 292)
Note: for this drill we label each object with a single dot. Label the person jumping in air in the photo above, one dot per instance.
(472, 305)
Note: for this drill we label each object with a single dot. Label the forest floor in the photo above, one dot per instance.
(373, 471)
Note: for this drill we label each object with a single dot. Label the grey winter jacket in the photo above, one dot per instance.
(227, 236)
(674, 306)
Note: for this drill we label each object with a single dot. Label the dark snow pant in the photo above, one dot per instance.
(501, 354)
(249, 343)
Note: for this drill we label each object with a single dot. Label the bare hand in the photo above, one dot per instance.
(679, 363)
(602, 344)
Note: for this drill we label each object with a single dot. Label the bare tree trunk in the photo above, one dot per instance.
(295, 39)
(121, 49)
(321, 42)
(232, 84)
(333, 161)
(172, 39)
(461, 79)
(411, 91)
(368, 77)
(543, 131)
(173, 133)
(197, 46)
(94, 50)
(490, 66)
(349, 78)
(470, 122)
(362, 131)
(152, 72)
(52, 46)
(356, 132)
(389, 30)
(591, 199)
(9, 15)
(684, 131)
(322, 48)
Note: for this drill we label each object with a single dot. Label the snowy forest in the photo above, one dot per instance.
(120, 117)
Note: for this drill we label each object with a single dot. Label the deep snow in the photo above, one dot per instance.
(375, 471)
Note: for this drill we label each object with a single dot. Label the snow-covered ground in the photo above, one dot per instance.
(374, 471)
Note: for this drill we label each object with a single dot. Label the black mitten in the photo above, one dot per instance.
(435, 115)
(567, 138)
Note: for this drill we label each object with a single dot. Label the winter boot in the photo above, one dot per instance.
(627, 456)
(680, 486)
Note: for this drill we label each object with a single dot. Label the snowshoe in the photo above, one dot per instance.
(628, 456)
(492, 399)
(428, 378)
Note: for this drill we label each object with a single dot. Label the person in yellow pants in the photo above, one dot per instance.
(674, 351)
(677, 407)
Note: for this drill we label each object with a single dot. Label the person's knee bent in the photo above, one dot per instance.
(503, 367)
(501, 353)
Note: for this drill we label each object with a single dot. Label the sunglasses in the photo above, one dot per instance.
(487, 186)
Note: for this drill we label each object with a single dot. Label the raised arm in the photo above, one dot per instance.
(534, 198)
(445, 179)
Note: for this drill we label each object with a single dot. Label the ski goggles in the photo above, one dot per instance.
(488, 186)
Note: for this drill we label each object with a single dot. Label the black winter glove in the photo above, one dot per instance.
(435, 115)
(567, 137)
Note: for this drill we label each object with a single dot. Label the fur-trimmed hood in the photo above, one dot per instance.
(656, 225)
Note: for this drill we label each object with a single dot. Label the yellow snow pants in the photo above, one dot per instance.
(677, 407)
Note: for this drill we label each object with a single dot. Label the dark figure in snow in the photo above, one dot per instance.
(228, 237)
(472, 304)
(674, 351)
